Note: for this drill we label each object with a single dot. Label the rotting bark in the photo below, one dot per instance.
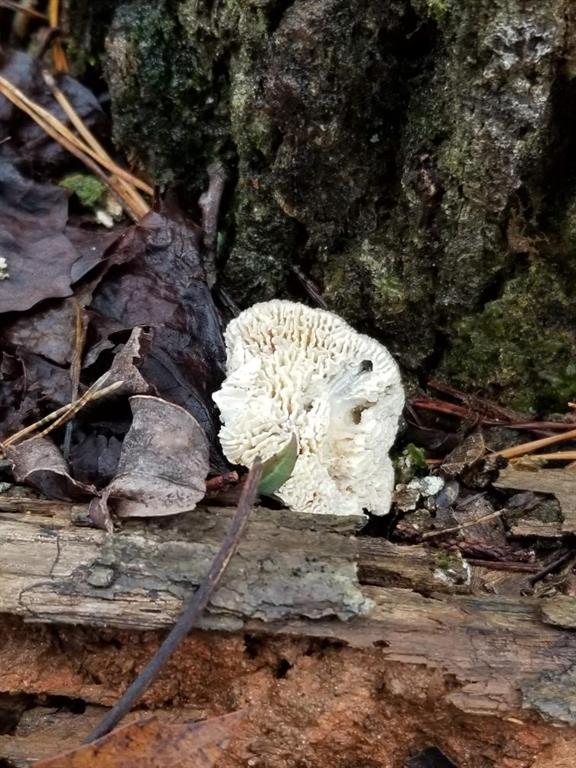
(416, 159)
(560, 482)
(139, 576)
(492, 647)
(306, 702)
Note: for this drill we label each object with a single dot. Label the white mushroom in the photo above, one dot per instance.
(298, 371)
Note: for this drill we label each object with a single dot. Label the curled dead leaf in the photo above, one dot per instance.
(163, 464)
(152, 743)
(39, 462)
(125, 364)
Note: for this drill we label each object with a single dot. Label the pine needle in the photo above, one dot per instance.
(558, 456)
(137, 200)
(93, 159)
(59, 58)
(534, 445)
(18, 8)
(58, 417)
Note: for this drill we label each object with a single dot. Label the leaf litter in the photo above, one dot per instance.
(476, 514)
(146, 310)
(39, 462)
(162, 465)
(141, 327)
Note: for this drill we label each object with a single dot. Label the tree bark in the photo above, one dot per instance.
(414, 159)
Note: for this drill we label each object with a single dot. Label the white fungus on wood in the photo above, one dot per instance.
(293, 370)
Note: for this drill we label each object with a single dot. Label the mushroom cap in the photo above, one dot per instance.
(296, 370)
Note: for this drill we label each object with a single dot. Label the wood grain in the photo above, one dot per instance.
(295, 578)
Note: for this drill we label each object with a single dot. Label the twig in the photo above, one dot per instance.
(551, 567)
(18, 8)
(503, 565)
(309, 287)
(227, 301)
(190, 613)
(93, 393)
(520, 450)
(476, 403)
(33, 427)
(81, 402)
(59, 130)
(534, 426)
(441, 406)
(75, 369)
(557, 456)
(453, 409)
(210, 206)
(469, 524)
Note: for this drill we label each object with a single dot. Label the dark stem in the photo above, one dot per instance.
(210, 206)
(552, 566)
(75, 370)
(190, 613)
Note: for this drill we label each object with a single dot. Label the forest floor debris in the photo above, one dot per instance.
(109, 333)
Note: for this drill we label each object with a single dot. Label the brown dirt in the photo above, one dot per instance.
(309, 703)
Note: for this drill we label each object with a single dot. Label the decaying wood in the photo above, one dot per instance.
(384, 564)
(534, 528)
(291, 577)
(138, 577)
(559, 482)
(192, 608)
(43, 731)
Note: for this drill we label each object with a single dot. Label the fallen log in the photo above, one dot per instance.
(291, 576)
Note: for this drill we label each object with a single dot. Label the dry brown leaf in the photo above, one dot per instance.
(164, 462)
(163, 287)
(154, 744)
(464, 456)
(39, 463)
(38, 255)
(124, 367)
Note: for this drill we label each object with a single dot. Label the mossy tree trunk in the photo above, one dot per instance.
(416, 160)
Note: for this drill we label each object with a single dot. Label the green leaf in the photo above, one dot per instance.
(277, 469)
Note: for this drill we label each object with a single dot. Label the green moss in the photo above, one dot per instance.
(88, 189)
(436, 9)
(443, 561)
(376, 286)
(522, 347)
(411, 462)
(350, 279)
(171, 97)
(381, 153)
